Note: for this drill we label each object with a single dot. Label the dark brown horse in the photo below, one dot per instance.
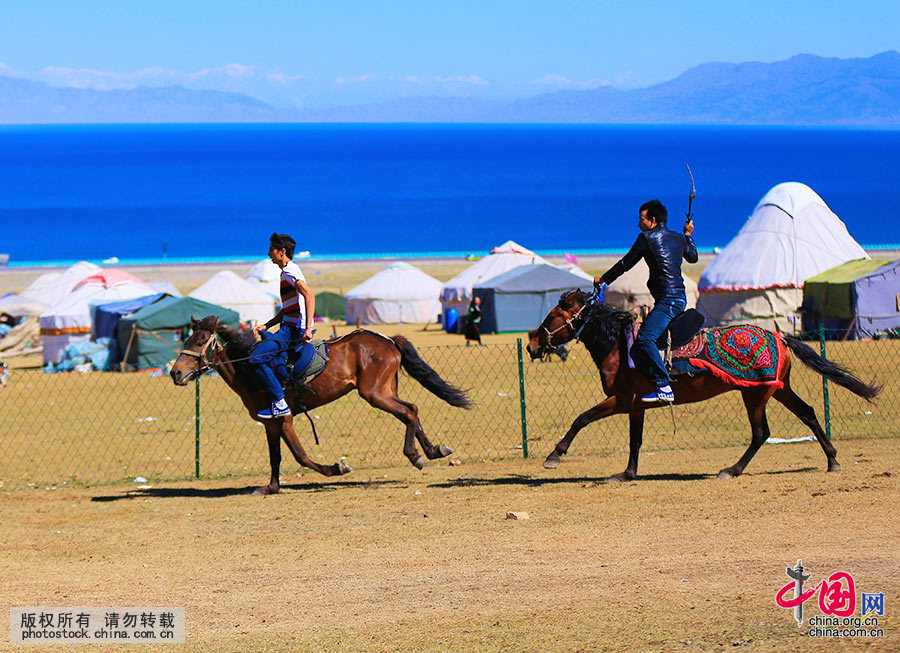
(364, 360)
(603, 331)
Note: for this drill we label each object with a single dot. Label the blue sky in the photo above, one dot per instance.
(327, 52)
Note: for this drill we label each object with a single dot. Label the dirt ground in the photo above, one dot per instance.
(396, 559)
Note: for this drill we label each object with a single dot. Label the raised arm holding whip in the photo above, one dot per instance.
(663, 250)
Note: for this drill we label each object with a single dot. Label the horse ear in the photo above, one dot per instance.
(194, 323)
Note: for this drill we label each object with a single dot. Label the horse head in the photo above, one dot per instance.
(196, 356)
(561, 324)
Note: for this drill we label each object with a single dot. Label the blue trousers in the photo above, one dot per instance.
(269, 359)
(644, 352)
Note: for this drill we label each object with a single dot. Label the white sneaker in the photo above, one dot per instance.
(278, 409)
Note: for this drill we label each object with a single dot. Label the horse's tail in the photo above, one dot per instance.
(840, 375)
(422, 372)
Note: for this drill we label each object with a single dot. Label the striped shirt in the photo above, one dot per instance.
(293, 302)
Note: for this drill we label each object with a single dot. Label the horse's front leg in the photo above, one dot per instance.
(604, 409)
(635, 440)
(273, 437)
(288, 434)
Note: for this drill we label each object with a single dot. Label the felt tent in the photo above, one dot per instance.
(457, 293)
(50, 289)
(165, 287)
(520, 298)
(630, 292)
(399, 294)
(107, 314)
(153, 335)
(758, 278)
(227, 289)
(330, 305)
(855, 300)
(267, 275)
(69, 320)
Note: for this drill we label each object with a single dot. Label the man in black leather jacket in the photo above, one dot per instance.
(663, 250)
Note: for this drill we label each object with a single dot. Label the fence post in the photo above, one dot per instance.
(522, 399)
(825, 383)
(197, 428)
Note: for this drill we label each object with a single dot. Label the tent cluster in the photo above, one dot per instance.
(88, 317)
(516, 285)
(794, 265)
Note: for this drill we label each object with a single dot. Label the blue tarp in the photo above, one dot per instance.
(106, 317)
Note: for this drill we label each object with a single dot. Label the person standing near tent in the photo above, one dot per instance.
(295, 317)
(473, 319)
(663, 250)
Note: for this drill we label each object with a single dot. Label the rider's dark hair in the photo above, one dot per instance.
(283, 241)
(655, 210)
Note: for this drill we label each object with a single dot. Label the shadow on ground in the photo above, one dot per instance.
(220, 492)
(532, 481)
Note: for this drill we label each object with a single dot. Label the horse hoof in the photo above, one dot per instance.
(263, 491)
(419, 462)
(343, 468)
(726, 474)
(552, 462)
(618, 478)
(834, 467)
(444, 450)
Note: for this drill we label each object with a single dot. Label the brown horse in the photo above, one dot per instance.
(364, 360)
(603, 331)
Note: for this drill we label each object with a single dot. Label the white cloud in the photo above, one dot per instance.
(281, 78)
(356, 80)
(467, 79)
(9, 71)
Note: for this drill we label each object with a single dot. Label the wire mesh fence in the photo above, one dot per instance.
(82, 429)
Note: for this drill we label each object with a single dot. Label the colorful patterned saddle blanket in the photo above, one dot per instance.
(742, 355)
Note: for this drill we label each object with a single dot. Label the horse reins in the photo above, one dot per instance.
(212, 343)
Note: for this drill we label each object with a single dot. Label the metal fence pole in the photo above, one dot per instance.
(522, 399)
(825, 383)
(197, 428)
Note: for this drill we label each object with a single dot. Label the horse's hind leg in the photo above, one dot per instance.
(755, 400)
(807, 415)
(406, 413)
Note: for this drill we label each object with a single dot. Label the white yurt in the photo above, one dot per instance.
(70, 320)
(399, 294)
(227, 289)
(166, 287)
(629, 292)
(50, 288)
(268, 275)
(457, 293)
(758, 278)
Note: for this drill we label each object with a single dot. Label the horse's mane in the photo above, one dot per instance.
(238, 344)
(602, 327)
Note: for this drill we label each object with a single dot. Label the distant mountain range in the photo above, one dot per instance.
(802, 90)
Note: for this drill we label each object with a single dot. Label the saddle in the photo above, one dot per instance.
(306, 361)
(681, 341)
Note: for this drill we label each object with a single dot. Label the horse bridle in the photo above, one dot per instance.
(204, 353)
(570, 323)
